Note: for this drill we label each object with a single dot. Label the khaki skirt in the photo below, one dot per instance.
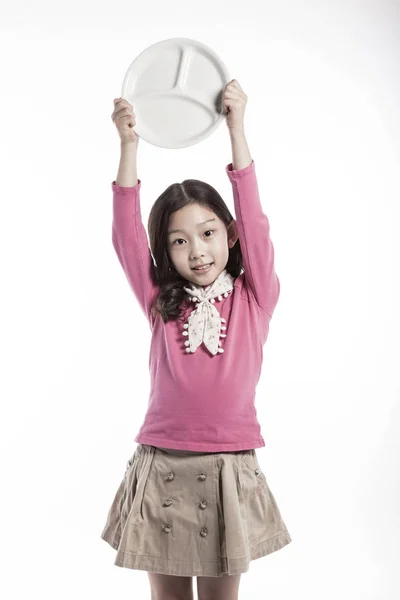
(185, 513)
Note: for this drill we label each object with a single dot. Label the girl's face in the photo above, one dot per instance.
(197, 236)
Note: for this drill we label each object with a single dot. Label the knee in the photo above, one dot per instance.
(169, 587)
(218, 588)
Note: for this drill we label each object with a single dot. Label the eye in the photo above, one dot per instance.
(180, 239)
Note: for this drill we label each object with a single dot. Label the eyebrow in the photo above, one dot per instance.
(198, 225)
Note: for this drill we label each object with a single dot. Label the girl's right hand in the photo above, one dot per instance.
(124, 119)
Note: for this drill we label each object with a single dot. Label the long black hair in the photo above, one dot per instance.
(170, 302)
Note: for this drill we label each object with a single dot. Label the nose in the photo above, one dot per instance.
(196, 255)
(196, 250)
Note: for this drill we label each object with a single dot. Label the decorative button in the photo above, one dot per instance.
(167, 528)
(203, 504)
(202, 476)
(171, 476)
(168, 502)
(203, 532)
(257, 471)
(128, 465)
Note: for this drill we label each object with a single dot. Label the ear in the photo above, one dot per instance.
(232, 233)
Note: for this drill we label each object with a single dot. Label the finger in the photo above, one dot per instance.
(231, 89)
(124, 107)
(129, 119)
(233, 94)
(118, 103)
(123, 114)
(234, 84)
(233, 102)
(124, 111)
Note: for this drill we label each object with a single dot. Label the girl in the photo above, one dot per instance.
(193, 500)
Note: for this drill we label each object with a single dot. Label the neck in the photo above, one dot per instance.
(208, 284)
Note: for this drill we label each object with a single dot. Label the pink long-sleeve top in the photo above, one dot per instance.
(199, 401)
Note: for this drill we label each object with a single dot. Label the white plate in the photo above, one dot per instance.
(175, 87)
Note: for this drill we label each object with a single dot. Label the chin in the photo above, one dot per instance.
(206, 279)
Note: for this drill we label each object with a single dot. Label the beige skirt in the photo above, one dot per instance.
(185, 513)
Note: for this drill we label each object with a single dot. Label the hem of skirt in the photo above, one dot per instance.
(198, 446)
(111, 539)
(216, 568)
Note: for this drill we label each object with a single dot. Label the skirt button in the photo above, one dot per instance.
(257, 471)
(170, 476)
(167, 528)
(203, 476)
(203, 504)
(168, 502)
(203, 532)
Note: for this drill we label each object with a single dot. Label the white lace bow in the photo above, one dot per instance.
(204, 323)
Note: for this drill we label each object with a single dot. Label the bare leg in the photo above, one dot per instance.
(170, 587)
(218, 588)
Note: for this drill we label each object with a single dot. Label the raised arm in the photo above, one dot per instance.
(127, 170)
(129, 236)
(252, 223)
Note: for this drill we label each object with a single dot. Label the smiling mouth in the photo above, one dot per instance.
(202, 268)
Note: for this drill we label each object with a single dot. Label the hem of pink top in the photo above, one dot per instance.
(198, 446)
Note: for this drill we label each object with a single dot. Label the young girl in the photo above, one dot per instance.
(193, 500)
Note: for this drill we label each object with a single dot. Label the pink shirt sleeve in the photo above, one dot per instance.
(131, 244)
(255, 242)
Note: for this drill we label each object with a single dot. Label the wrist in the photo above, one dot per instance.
(237, 132)
(129, 146)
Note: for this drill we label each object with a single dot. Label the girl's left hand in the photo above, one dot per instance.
(234, 101)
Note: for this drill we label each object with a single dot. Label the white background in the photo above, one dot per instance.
(322, 122)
